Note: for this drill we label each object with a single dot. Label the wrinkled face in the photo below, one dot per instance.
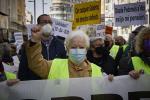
(77, 42)
(77, 50)
(98, 47)
(45, 20)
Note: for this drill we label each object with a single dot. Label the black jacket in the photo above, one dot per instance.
(126, 65)
(106, 62)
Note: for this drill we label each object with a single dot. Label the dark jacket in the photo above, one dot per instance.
(2, 74)
(106, 62)
(126, 65)
(56, 50)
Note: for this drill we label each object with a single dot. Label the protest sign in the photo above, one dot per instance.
(130, 14)
(121, 88)
(100, 30)
(89, 29)
(87, 13)
(18, 40)
(108, 30)
(61, 28)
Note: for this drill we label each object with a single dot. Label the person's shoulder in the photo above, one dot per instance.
(57, 41)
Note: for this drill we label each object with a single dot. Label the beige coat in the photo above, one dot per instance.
(41, 66)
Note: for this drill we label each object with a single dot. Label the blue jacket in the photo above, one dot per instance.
(56, 50)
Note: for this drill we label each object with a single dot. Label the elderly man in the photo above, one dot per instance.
(51, 48)
(115, 50)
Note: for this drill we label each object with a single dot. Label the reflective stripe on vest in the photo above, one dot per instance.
(114, 50)
(10, 75)
(59, 69)
(140, 65)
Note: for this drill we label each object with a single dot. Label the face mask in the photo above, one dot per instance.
(46, 30)
(106, 43)
(117, 43)
(77, 56)
(147, 45)
(100, 50)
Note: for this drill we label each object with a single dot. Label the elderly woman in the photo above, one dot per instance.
(99, 55)
(75, 66)
(140, 63)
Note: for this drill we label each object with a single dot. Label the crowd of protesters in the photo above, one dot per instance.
(45, 56)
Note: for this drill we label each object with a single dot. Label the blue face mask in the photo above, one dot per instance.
(77, 56)
(147, 45)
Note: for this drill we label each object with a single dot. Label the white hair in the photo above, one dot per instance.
(76, 33)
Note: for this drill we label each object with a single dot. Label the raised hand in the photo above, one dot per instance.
(36, 33)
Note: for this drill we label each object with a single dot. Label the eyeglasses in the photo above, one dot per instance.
(45, 22)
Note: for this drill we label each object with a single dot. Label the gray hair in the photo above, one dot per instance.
(75, 33)
(140, 38)
(94, 40)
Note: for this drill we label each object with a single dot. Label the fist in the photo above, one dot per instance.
(36, 33)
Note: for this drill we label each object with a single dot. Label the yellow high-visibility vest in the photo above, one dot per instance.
(140, 65)
(59, 70)
(10, 75)
(113, 51)
(124, 47)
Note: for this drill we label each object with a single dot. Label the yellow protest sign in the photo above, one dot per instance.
(87, 13)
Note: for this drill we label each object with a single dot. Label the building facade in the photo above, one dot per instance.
(63, 9)
(4, 15)
(28, 17)
(12, 16)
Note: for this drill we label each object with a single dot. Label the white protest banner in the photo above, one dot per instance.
(130, 14)
(61, 28)
(18, 37)
(100, 30)
(121, 88)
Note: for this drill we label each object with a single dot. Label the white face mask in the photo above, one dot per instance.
(77, 56)
(46, 30)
